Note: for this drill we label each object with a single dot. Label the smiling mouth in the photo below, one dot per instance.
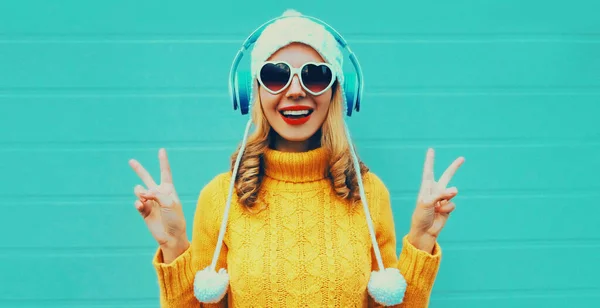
(296, 114)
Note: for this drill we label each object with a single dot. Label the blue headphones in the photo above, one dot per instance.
(241, 83)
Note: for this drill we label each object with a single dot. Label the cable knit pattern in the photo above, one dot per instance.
(301, 246)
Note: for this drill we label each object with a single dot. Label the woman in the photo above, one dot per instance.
(308, 225)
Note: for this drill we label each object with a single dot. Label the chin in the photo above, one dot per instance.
(295, 133)
(295, 137)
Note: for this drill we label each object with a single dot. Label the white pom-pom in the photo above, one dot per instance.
(210, 286)
(387, 287)
(291, 12)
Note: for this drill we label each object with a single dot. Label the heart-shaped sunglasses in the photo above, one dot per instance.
(314, 77)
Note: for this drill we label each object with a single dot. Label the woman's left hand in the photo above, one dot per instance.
(434, 204)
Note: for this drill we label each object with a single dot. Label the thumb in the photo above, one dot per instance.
(139, 191)
(145, 208)
(445, 207)
(162, 199)
(446, 194)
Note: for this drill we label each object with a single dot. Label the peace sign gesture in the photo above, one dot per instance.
(434, 200)
(159, 205)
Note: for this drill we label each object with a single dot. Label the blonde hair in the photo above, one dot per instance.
(333, 139)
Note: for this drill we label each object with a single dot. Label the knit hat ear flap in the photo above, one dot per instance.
(211, 286)
(387, 285)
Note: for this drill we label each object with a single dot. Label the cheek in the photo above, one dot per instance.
(268, 101)
(324, 102)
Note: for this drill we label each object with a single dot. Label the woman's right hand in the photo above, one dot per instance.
(161, 208)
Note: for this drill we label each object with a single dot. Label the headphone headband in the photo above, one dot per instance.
(241, 84)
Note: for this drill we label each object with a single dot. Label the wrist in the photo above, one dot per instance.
(422, 240)
(173, 249)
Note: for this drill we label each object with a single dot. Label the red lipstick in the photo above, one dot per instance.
(297, 117)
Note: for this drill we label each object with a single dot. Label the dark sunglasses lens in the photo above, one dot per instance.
(275, 76)
(316, 78)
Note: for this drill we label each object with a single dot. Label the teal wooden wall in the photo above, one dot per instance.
(512, 85)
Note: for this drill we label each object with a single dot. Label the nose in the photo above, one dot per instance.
(295, 89)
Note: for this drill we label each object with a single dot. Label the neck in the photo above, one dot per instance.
(280, 144)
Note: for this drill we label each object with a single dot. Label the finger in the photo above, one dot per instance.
(447, 194)
(450, 171)
(165, 168)
(440, 203)
(142, 173)
(428, 169)
(144, 208)
(446, 207)
(443, 217)
(139, 190)
(150, 194)
(162, 199)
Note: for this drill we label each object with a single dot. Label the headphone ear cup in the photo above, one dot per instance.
(243, 84)
(351, 91)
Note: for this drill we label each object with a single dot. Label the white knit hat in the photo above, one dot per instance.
(296, 29)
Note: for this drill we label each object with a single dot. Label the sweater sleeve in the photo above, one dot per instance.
(176, 279)
(418, 267)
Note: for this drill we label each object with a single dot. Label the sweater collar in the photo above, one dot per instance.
(296, 166)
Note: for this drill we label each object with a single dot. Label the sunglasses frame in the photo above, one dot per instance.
(297, 71)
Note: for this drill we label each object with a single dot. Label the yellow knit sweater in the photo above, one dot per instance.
(300, 247)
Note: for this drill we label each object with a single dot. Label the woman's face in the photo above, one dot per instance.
(295, 128)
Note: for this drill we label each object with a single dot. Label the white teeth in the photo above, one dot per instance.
(295, 112)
